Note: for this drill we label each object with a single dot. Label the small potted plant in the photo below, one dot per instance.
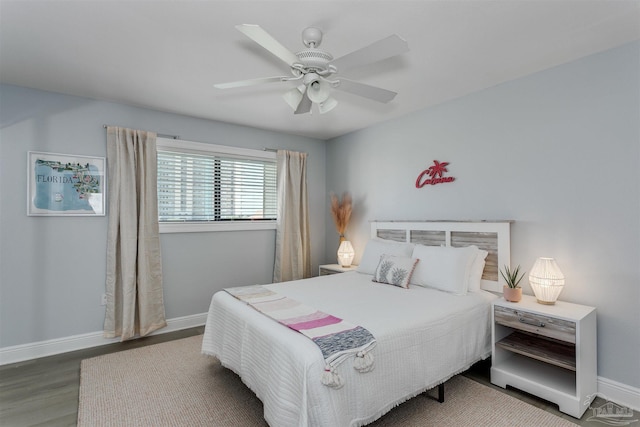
(512, 292)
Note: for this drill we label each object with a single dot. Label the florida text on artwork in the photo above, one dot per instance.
(434, 175)
(65, 186)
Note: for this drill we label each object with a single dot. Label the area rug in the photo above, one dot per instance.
(172, 384)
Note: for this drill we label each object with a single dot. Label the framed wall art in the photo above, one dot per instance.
(65, 185)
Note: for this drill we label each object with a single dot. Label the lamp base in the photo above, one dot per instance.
(546, 302)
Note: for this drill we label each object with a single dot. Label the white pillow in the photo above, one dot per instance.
(376, 248)
(444, 268)
(475, 273)
(395, 270)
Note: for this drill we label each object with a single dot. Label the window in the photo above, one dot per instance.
(205, 187)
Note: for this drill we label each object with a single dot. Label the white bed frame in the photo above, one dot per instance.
(492, 236)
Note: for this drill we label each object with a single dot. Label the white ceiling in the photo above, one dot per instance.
(166, 55)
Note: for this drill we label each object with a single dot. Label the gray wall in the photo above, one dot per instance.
(52, 269)
(558, 152)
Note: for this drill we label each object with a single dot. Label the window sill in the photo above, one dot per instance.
(204, 227)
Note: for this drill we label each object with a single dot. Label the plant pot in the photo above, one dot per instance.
(512, 294)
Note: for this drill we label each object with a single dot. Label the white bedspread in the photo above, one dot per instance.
(424, 337)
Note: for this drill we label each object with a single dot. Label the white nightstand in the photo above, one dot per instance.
(327, 269)
(546, 350)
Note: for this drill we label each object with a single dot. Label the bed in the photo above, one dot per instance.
(425, 333)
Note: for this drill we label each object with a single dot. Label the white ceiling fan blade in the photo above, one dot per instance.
(377, 51)
(304, 106)
(366, 91)
(266, 40)
(250, 82)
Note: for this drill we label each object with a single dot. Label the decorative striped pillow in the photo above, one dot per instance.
(395, 270)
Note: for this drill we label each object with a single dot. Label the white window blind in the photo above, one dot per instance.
(200, 183)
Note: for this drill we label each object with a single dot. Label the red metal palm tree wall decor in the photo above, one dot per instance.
(434, 175)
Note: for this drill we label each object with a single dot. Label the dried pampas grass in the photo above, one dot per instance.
(341, 211)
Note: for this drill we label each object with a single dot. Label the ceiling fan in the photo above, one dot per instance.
(316, 69)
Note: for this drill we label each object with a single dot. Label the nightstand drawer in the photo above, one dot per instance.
(538, 324)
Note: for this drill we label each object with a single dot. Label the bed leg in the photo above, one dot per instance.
(441, 393)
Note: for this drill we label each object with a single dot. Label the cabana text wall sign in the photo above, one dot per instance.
(433, 175)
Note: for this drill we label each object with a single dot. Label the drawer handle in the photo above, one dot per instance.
(531, 322)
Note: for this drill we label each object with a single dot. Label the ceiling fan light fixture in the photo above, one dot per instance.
(328, 105)
(310, 78)
(318, 91)
(294, 96)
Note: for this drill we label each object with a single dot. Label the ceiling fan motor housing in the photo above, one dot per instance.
(314, 59)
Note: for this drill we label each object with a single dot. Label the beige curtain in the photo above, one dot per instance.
(293, 252)
(135, 302)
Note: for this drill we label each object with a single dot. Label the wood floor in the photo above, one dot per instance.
(44, 392)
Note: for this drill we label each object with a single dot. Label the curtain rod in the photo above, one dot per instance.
(161, 135)
(275, 150)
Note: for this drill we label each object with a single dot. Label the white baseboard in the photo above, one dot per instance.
(619, 393)
(19, 353)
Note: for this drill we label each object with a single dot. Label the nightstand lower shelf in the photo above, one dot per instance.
(532, 374)
(550, 351)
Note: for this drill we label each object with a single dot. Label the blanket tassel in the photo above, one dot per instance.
(363, 362)
(331, 378)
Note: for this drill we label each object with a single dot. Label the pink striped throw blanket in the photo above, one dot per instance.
(337, 339)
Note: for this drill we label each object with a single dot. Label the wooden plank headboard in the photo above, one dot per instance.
(492, 236)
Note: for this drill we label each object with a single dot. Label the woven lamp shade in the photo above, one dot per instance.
(345, 253)
(546, 280)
